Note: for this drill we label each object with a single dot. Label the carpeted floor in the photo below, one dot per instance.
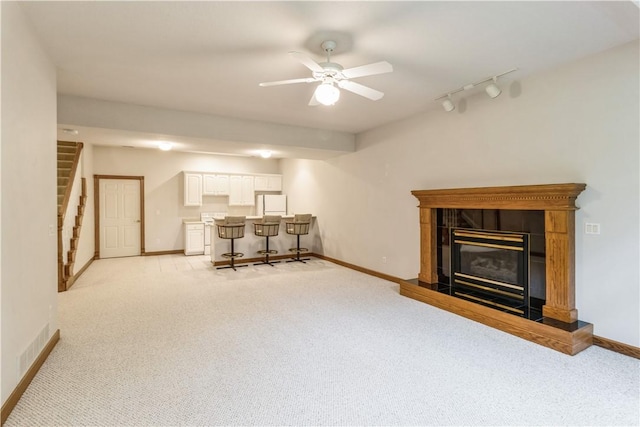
(169, 340)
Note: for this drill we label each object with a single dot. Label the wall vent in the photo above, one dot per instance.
(33, 350)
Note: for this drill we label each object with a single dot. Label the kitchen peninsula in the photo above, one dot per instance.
(250, 244)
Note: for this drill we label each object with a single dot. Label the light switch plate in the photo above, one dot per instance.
(591, 228)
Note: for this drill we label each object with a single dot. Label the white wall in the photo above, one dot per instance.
(29, 295)
(577, 123)
(164, 186)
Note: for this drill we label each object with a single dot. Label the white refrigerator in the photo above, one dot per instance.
(271, 204)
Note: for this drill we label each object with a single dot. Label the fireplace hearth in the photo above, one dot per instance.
(473, 270)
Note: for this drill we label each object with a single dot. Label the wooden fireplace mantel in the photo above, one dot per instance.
(526, 197)
(558, 203)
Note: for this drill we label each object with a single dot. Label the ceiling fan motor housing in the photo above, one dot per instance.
(330, 69)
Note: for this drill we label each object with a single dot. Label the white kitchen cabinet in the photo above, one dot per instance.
(215, 185)
(192, 189)
(194, 239)
(268, 183)
(241, 190)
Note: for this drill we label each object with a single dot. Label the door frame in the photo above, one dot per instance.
(96, 210)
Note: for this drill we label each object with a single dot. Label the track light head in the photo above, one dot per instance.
(448, 104)
(492, 89)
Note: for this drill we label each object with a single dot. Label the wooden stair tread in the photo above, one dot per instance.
(67, 154)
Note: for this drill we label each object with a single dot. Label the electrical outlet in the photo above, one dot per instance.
(52, 230)
(591, 228)
(384, 259)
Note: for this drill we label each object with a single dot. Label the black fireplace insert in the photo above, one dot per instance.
(491, 268)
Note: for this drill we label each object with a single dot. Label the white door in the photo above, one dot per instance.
(119, 218)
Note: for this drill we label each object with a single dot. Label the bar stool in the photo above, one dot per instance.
(232, 227)
(267, 227)
(298, 227)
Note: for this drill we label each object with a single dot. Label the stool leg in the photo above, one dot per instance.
(233, 259)
(266, 256)
(297, 258)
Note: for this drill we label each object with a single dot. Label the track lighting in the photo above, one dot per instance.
(327, 94)
(492, 90)
(448, 104)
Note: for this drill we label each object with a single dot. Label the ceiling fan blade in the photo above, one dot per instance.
(287, 82)
(307, 62)
(368, 70)
(313, 102)
(361, 90)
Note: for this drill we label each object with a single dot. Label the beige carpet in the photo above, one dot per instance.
(169, 340)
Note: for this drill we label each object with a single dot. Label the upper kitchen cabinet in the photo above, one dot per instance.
(241, 190)
(215, 185)
(268, 183)
(192, 189)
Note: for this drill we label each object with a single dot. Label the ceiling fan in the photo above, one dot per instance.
(331, 74)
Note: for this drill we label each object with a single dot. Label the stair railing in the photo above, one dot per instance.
(72, 175)
(69, 216)
(63, 226)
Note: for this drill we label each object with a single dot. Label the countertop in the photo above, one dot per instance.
(249, 218)
(192, 221)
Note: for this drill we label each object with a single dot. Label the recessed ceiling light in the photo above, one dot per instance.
(165, 145)
(70, 131)
(265, 154)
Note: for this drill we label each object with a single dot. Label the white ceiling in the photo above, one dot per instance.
(208, 57)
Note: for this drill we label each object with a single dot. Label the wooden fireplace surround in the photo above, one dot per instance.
(560, 328)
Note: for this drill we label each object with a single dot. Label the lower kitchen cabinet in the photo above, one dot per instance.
(194, 239)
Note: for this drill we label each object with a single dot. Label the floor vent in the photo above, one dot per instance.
(26, 359)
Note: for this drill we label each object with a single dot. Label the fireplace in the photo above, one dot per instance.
(483, 243)
(467, 270)
(491, 268)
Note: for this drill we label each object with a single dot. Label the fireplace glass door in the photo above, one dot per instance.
(491, 268)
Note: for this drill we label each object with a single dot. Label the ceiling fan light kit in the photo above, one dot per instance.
(327, 94)
(331, 74)
(492, 89)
